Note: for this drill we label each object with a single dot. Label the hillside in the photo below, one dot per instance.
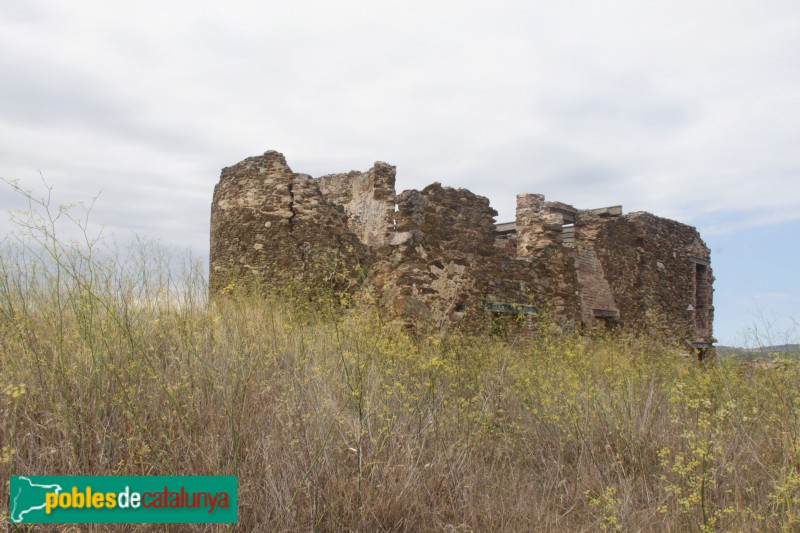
(333, 420)
(780, 350)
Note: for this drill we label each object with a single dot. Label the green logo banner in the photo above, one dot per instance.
(122, 499)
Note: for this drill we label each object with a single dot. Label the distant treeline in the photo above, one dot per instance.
(781, 350)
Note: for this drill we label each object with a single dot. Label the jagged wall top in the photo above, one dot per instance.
(437, 254)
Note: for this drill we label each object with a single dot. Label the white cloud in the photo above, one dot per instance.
(682, 108)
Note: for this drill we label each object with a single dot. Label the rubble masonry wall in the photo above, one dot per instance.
(437, 255)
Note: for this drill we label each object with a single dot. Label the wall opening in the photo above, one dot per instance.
(605, 319)
(701, 296)
(568, 234)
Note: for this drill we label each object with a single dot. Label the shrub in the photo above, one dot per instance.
(117, 364)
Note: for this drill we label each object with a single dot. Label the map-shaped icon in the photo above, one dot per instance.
(26, 497)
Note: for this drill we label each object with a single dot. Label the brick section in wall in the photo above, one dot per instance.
(597, 301)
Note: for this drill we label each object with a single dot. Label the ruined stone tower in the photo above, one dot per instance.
(437, 255)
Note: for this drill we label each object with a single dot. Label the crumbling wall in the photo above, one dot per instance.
(367, 199)
(650, 264)
(442, 262)
(438, 259)
(269, 224)
(540, 240)
(437, 255)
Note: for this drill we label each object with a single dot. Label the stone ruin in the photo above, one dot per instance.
(437, 255)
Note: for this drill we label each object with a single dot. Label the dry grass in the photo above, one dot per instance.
(335, 422)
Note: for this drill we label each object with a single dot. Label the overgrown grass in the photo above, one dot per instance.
(335, 421)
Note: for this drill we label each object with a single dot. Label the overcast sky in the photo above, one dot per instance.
(687, 109)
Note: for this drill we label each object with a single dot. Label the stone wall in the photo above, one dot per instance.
(435, 263)
(269, 223)
(437, 256)
(367, 199)
(540, 240)
(651, 265)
